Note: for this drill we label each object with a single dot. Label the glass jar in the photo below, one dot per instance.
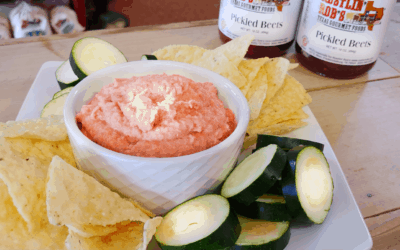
(342, 39)
(272, 22)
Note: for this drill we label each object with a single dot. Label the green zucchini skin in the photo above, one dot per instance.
(278, 244)
(148, 57)
(285, 143)
(276, 212)
(290, 192)
(289, 188)
(74, 65)
(64, 86)
(61, 92)
(264, 182)
(78, 72)
(225, 236)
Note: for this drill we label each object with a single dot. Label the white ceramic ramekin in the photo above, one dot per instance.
(157, 183)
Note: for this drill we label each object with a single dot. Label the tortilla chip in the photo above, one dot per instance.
(133, 236)
(256, 100)
(275, 129)
(291, 97)
(293, 66)
(279, 128)
(220, 64)
(85, 206)
(42, 150)
(276, 70)
(298, 114)
(25, 179)
(236, 49)
(140, 206)
(26, 155)
(245, 89)
(257, 93)
(127, 237)
(14, 232)
(179, 53)
(250, 68)
(49, 129)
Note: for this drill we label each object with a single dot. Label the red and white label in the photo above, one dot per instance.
(272, 22)
(345, 32)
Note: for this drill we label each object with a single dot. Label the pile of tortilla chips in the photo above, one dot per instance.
(48, 204)
(275, 98)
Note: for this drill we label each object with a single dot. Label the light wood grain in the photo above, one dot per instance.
(96, 33)
(385, 230)
(311, 81)
(362, 123)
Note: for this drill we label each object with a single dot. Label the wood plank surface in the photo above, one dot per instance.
(385, 230)
(96, 33)
(362, 123)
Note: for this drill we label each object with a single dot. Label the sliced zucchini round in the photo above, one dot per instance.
(148, 57)
(255, 175)
(55, 106)
(91, 54)
(204, 222)
(261, 235)
(285, 143)
(61, 92)
(267, 207)
(65, 76)
(308, 185)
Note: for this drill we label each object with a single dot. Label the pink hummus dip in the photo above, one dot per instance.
(156, 116)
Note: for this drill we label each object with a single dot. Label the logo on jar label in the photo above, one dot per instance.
(305, 41)
(348, 15)
(260, 6)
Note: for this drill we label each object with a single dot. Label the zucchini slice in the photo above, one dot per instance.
(65, 76)
(285, 143)
(61, 92)
(204, 222)
(261, 235)
(267, 207)
(54, 107)
(91, 54)
(255, 175)
(308, 185)
(148, 57)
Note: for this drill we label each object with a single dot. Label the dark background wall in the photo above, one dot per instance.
(150, 12)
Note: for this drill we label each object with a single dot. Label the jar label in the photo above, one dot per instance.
(272, 22)
(345, 32)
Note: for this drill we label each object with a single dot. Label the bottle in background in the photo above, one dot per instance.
(27, 20)
(64, 20)
(342, 38)
(272, 22)
(4, 28)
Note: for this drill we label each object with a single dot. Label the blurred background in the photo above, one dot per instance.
(101, 14)
(108, 14)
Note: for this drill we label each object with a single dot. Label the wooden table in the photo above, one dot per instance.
(360, 117)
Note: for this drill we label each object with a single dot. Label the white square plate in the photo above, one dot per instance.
(344, 227)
